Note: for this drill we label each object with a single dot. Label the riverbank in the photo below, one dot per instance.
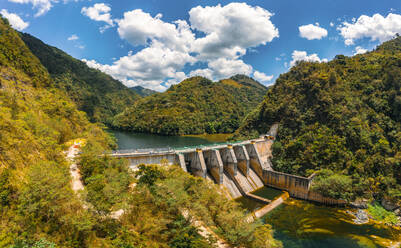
(217, 137)
(302, 224)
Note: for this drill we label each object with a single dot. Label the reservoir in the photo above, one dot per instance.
(129, 140)
(297, 223)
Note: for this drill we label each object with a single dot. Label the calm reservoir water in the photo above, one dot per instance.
(129, 140)
(298, 224)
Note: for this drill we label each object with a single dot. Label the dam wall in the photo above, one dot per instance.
(239, 168)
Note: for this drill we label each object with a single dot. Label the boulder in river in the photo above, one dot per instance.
(388, 205)
(361, 216)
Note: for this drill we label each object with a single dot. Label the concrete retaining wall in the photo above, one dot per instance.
(296, 186)
(152, 159)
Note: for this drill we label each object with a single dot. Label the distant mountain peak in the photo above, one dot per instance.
(248, 81)
(142, 91)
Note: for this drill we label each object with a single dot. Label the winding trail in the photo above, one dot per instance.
(76, 182)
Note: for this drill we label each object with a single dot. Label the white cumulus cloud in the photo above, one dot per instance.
(376, 27)
(303, 56)
(149, 67)
(312, 32)
(231, 29)
(15, 21)
(223, 68)
(262, 77)
(99, 12)
(73, 37)
(360, 50)
(224, 35)
(140, 28)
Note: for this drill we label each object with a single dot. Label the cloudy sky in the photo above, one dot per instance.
(157, 43)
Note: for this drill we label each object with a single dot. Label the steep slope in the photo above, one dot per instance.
(143, 91)
(94, 92)
(196, 105)
(342, 118)
(36, 120)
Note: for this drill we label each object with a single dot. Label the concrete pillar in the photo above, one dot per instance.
(229, 160)
(197, 163)
(255, 159)
(242, 159)
(214, 164)
(181, 161)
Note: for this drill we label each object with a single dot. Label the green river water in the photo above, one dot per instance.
(298, 224)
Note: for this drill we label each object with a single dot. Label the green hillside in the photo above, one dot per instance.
(94, 92)
(143, 91)
(342, 118)
(194, 106)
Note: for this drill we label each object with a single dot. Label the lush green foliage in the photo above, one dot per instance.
(194, 106)
(333, 185)
(37, 207)
(345, 116)
(94, 92)
(143, 91)
(171, 192)
(381, 214)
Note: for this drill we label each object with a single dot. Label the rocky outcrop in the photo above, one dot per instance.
(389, 205)
(361, 216)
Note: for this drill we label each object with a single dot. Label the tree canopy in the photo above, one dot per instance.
(343, 116)
(194, 106)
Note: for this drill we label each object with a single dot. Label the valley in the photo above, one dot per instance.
(211, 154)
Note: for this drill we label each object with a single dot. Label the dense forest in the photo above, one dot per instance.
(194, 106)
(94, 92)
(342, 119)
(38, 208)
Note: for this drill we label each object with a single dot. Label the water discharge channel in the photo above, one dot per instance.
(297, 223)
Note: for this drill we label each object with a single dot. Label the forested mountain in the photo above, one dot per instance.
(342, 118)
(194, 106)
(94, 92)
(143, 91)
(38, 208)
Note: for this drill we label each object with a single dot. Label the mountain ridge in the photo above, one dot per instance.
(94, 92)
(194, 106)
(342, 119)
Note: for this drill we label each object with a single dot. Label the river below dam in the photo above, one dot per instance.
(297, 223)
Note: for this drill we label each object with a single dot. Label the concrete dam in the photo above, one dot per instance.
(239, 167)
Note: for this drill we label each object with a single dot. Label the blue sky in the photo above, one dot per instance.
(141, 42)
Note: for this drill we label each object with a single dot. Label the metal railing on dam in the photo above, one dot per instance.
(176, 149)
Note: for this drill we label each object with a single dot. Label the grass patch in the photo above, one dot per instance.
(381, 214)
